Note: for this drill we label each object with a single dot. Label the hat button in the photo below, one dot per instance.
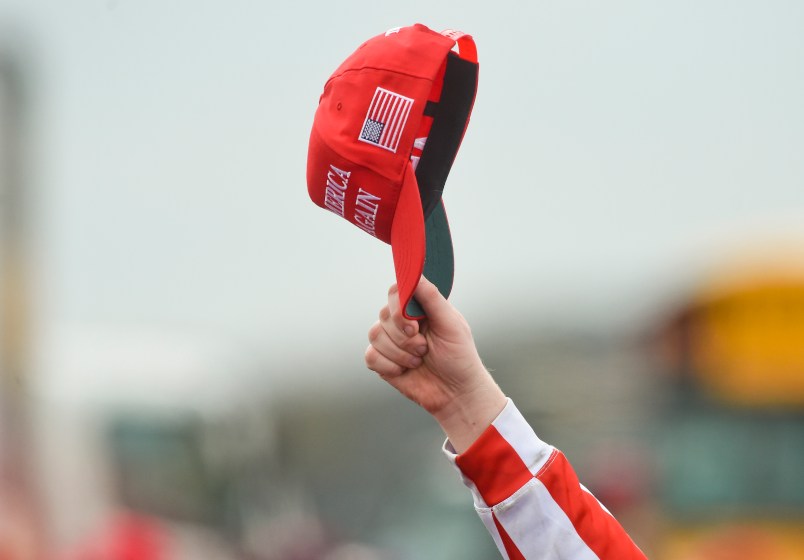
(339, 106)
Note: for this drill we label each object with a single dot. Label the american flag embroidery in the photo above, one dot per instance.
(385, 119)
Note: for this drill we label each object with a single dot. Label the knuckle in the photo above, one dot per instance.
(374, 332)
(463, 323)
(385, 313)
(370, 357)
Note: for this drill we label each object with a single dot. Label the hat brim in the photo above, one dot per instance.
(420, 247)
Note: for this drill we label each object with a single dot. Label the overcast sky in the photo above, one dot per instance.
(615, 148)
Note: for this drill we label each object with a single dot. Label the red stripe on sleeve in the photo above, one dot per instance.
(510, 547)
(494, 467)
(599, 530)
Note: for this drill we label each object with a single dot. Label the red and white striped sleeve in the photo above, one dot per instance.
(530, 500)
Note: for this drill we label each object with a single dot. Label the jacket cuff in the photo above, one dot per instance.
(505, 457)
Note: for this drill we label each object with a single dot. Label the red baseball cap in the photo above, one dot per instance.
(385, 134)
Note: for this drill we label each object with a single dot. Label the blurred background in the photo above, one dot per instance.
(182, 330)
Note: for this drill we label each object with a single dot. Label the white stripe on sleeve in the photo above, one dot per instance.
(513, 427)
(543, 536)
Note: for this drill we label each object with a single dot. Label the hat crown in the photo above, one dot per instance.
(385, 134)
(366, 123)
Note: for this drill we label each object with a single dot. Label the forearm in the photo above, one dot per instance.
(468, 415)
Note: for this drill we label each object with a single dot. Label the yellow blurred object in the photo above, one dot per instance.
(737, 541)
(751, 344)
(748, 340)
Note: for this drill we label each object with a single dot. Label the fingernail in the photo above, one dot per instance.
(415, 361)
(408, 330)
(421, 350)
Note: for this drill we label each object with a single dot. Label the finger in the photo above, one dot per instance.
(400, 330)
(416, 344)
(404, 356)
(378, 363)
(437, 308)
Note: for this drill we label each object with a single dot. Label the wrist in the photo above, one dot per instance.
(469, 413)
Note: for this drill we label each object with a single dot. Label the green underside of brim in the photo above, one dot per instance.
(439, 261)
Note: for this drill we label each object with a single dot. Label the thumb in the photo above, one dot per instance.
(436, 307)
